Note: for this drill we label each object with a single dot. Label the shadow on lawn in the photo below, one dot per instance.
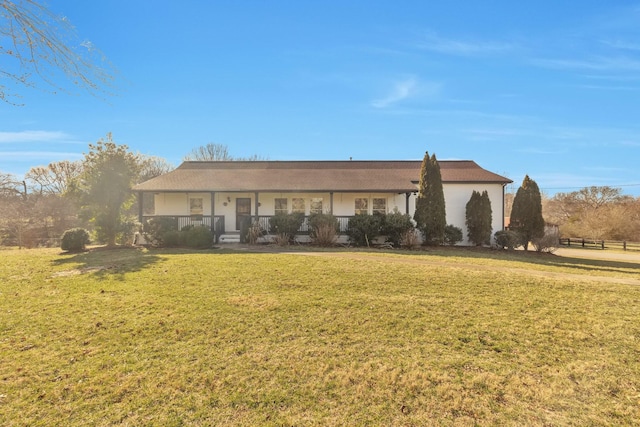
(102, 261)
(622, 267)
(619, 267)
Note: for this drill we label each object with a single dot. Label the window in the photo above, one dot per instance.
(195, 206)
(148, 204)
(380, 206)
(316, 206)
(297, 205)
(281, 206)
(362, 206)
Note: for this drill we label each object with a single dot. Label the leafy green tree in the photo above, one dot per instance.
(104, 187)
(478, 218)
(430, 214)
(526, 214)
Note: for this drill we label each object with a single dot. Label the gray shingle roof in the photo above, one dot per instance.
(312, 176)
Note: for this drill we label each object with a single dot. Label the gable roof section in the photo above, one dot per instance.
(312, 176)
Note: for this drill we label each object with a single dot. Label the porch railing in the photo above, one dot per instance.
(182, 221)
(265, 223)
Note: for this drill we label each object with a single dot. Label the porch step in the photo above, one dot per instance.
(229, 238)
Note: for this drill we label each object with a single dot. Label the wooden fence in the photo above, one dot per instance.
(577, 242)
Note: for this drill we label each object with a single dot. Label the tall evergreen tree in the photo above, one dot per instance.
(487, 217)
(104, 187)
(478, 218)
(526, 213)
(420, 214)
(430, 214)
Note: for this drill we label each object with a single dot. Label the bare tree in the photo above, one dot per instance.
(43, 45)
(216, 153)
(593, 212)
(10, 185)
(152, 166)
(209, 152)
(36, 210)
(14, 210)
(54, 178)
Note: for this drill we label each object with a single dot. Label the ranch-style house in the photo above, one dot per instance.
(224, 194)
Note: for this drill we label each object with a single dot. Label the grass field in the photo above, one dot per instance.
(445, 337)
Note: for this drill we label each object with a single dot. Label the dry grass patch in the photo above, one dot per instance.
(219, 338)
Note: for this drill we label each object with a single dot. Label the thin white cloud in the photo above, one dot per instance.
(565, 182)
(34, 136)
(463, 47)
(613, 77)
(551, 183)
(621, 44)
(614, 88)
(407, 88)
(491, 134)
(595, 64)
(537, 151)
(606, 169)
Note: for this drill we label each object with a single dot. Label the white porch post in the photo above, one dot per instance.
(407, 195)
(256, 203)
(140, 207)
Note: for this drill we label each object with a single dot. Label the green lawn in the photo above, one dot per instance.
(445, 337)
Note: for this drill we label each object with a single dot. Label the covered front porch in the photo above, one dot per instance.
(228, 214)
(221, 235)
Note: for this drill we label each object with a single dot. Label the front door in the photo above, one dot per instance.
(243, 209)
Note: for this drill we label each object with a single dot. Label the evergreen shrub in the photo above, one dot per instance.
(74, 240)
(172, 238)
(155, 229)
(508, 239)
(286, 224)
(452, 235)
(198, 237)
(363, 228)
(395, 225)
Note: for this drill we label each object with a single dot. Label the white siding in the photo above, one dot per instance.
(456, 198)
(178, 203)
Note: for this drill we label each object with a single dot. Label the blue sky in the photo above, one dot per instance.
(544, 88)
